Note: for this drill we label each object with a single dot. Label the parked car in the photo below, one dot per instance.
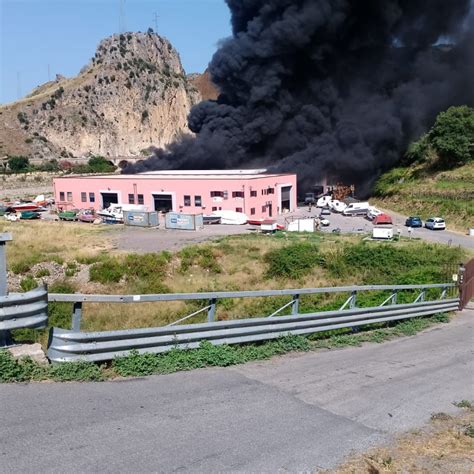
(435, 223)
(382, 218)
(325, 212)
(325, 223)
(414, 222)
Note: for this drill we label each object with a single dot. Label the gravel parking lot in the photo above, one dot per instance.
(156, 240)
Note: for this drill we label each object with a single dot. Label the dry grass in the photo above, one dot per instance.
(444, 447)
(48, 240)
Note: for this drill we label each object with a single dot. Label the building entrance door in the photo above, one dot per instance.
(108, 199)
(163, 202)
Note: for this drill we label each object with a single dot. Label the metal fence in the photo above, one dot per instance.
(69, 345)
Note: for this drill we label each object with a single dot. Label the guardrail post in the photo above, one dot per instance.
(295, 309)
(443, 293)
(352, 304)
(77, 316)
(211, 312)
(395, 297)
(5, 337)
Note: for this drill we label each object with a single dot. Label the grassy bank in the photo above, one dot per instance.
(427, 192)
(207, 355)
(232, 264)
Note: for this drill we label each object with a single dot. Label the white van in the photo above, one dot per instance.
(356, 209)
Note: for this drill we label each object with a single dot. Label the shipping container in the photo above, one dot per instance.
(140, 219)
(175, 220)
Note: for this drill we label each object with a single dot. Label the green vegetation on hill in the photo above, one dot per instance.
(437, 175)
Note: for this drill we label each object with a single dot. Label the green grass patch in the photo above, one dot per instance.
(200, 256)
(292, 261)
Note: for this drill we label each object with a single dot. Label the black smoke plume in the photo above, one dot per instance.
(333, 88)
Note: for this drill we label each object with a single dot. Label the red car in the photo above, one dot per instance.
(382, 219)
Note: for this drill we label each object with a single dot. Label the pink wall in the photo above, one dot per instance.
(72, 189)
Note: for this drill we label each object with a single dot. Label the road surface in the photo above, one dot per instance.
(295, 413)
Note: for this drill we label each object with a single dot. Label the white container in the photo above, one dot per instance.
(471, 231)
(382, 233)
(301, 225)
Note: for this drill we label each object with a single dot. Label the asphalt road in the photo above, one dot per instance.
(293, 413)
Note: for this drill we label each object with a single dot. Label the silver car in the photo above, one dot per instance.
(435, 223)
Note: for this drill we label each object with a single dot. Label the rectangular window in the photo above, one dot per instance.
(237, 194)
(61, 196)
(252, 211)
(69, 196)
(131, 199)
(197, 201)
(91, 197)
(271, 191)
(141, 199)
(83, 197)
(215, 194)
(238, 209)
(264, 209)
(214, 209)
(187, 201)
(253, 194)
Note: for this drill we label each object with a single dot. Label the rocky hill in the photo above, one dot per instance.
(205, 86)
(132, 95)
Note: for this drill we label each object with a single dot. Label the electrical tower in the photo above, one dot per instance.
(155, 21)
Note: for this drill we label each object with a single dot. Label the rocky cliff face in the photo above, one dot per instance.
(205, 86)
(132, 95)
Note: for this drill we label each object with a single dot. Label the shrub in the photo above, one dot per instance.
(28, 283)
(292, 261)
(98, 164)
(23, 370)
(18, 163)
(108, 271)
(76, 371)
(43, 272)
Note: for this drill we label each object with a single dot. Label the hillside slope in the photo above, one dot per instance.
(132, 95)
(415, 190)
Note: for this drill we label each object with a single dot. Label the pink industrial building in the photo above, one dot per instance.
(253, 192)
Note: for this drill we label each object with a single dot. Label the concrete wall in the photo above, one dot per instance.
(268, 192)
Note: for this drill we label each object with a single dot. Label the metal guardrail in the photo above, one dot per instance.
(212, 298)
(23, 310)
(69, 345)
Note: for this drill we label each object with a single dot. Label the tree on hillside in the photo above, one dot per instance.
(449, 143)
(17, 164)
(453, 135)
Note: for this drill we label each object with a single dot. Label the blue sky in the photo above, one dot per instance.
(65, 33)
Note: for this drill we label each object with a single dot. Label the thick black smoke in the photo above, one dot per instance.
(332, 88)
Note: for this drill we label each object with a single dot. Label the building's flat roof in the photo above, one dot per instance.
(187, 174)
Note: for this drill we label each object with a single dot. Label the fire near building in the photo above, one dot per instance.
(253, 192)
